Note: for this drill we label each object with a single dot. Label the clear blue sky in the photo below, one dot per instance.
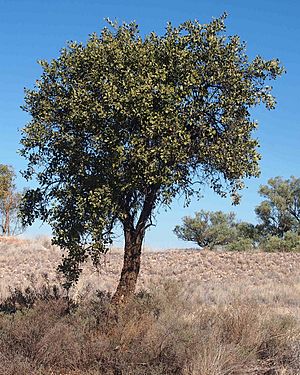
(38, 29)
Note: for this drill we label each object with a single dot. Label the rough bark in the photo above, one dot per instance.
(131, 267)
(134, 236)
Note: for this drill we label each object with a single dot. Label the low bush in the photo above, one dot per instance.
(289, 243)
(160, 332)
(23, 299)
(241, 244)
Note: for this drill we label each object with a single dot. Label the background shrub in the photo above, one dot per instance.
(241, 244)
(289, 243)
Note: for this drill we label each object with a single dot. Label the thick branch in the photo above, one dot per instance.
(147, 209)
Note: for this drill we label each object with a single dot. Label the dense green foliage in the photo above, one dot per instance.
(123, 124)
(241, 244)
(280, 211)
(289, 242)
(10, 201)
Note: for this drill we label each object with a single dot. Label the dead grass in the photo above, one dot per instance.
(271, 275)
(161, 332)
(196, 313)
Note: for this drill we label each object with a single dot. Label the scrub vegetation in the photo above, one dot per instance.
(194, 313)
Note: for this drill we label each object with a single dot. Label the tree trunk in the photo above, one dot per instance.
(134, 236)
(7, 223)
(131, 267)
(5, 226)
(7, 210)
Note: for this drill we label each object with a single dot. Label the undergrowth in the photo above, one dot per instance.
(160, 332)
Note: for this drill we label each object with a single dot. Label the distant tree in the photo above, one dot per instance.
(208, 229)
(10, 201)
(211, 229)
(124, 124)
(280, 211)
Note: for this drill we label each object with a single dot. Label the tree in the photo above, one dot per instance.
(211, 229)
(279, 213)
(208, 229)
(123, 124)
(10, 201)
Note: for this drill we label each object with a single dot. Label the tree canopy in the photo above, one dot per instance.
(124, 123)
(280, 211)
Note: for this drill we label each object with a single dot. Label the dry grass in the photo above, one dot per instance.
(204, 313)
(204, 272)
